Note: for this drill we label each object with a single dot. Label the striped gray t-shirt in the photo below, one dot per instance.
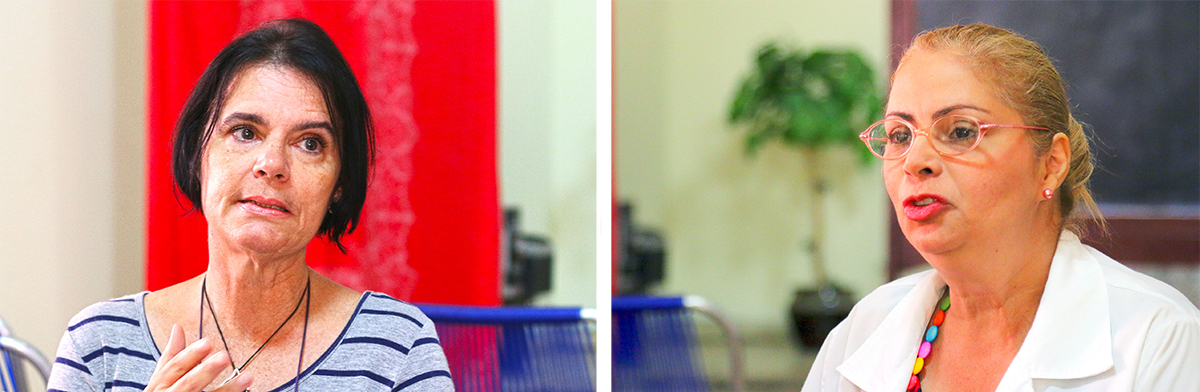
(388, 345)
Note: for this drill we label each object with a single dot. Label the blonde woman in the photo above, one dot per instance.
(985, 167)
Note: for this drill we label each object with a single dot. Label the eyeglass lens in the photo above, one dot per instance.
(951, 135)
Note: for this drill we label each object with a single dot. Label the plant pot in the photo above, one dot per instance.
(816, 311)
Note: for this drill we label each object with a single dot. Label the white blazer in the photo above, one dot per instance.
(1100, 326)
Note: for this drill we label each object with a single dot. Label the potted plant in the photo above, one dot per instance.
(810, 101)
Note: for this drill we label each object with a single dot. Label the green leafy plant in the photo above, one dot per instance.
(808, 100)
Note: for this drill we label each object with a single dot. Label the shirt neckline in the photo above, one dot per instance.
(1075, 286)
(139, 301)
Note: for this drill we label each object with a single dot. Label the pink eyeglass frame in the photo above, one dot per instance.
(983, 128)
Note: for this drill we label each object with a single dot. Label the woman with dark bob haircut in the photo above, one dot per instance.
(274, 147)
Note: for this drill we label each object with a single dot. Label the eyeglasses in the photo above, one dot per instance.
(891, 138)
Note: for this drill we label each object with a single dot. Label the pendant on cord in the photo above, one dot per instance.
(237, 370)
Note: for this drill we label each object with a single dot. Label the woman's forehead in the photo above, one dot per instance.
(272, 91)
(931, 83)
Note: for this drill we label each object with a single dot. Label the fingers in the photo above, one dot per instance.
(238, 384)
(175, 344)
(178, 340)
(203, 374)
(171, 368)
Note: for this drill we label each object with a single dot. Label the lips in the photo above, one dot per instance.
(923, 206)
(264, 206)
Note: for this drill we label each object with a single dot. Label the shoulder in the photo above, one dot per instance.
(391, 326)
(891, 293)
(115, 327)
(871, 309)
(1155, 328)
(118, 316)
(105, 343)
(380, 311)
(398, 340)
(866, 317)
(1131, 292)
(868, 314)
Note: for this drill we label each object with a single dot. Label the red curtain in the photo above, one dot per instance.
(430, 229)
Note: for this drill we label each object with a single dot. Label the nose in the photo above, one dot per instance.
(272, 163)
(922, 160)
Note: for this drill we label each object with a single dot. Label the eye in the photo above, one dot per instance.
(312, 144)
(243, 134)
(899, 135)
(963, 132)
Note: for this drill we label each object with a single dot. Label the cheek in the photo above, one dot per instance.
(319, 180)
(1010, 177)
(215, 176)
(892, 177)
(994, 188)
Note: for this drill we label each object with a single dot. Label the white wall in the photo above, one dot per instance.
(71, 96)
(733, 225)
(547, 118)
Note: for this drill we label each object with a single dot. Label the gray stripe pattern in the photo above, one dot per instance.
(388, 345)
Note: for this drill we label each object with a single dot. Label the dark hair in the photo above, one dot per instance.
(300, 45)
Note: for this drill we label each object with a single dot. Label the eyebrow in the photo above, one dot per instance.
(947, 110)
(259, 120)
(314, 125)
(902, 115)
(247, 117)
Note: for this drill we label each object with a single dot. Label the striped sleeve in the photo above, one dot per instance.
(105, 348)
(69, 372)
(388, 345)
(424, 368)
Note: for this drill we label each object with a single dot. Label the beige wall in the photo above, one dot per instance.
(547, 138)
(71, 98)
(733, 225)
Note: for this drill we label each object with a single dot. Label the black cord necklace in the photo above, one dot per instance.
(306, 294)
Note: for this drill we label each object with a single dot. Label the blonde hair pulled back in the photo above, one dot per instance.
(1026, 80)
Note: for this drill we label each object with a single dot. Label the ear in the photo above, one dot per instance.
(337, 195)
(1056, 162)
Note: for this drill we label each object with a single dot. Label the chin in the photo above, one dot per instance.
(260, 239)
(931, 238)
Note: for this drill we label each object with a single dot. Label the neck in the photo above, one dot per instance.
(998, 283)
(250, 294)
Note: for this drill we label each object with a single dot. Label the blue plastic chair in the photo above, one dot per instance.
(12, 352)
(517, 348)
(655, 346)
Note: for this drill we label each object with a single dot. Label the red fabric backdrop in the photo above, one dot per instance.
(430, 229)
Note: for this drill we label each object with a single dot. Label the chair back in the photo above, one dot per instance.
(655, 346)
(13, 353)
(517, 348)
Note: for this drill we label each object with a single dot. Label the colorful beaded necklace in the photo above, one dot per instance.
(931, 333)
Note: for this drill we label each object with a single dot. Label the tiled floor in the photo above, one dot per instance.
(773, 362)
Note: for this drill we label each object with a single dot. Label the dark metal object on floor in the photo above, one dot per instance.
(525, 263)
(641, 254)
(816, 312)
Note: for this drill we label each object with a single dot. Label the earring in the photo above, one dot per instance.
(1047, 193)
